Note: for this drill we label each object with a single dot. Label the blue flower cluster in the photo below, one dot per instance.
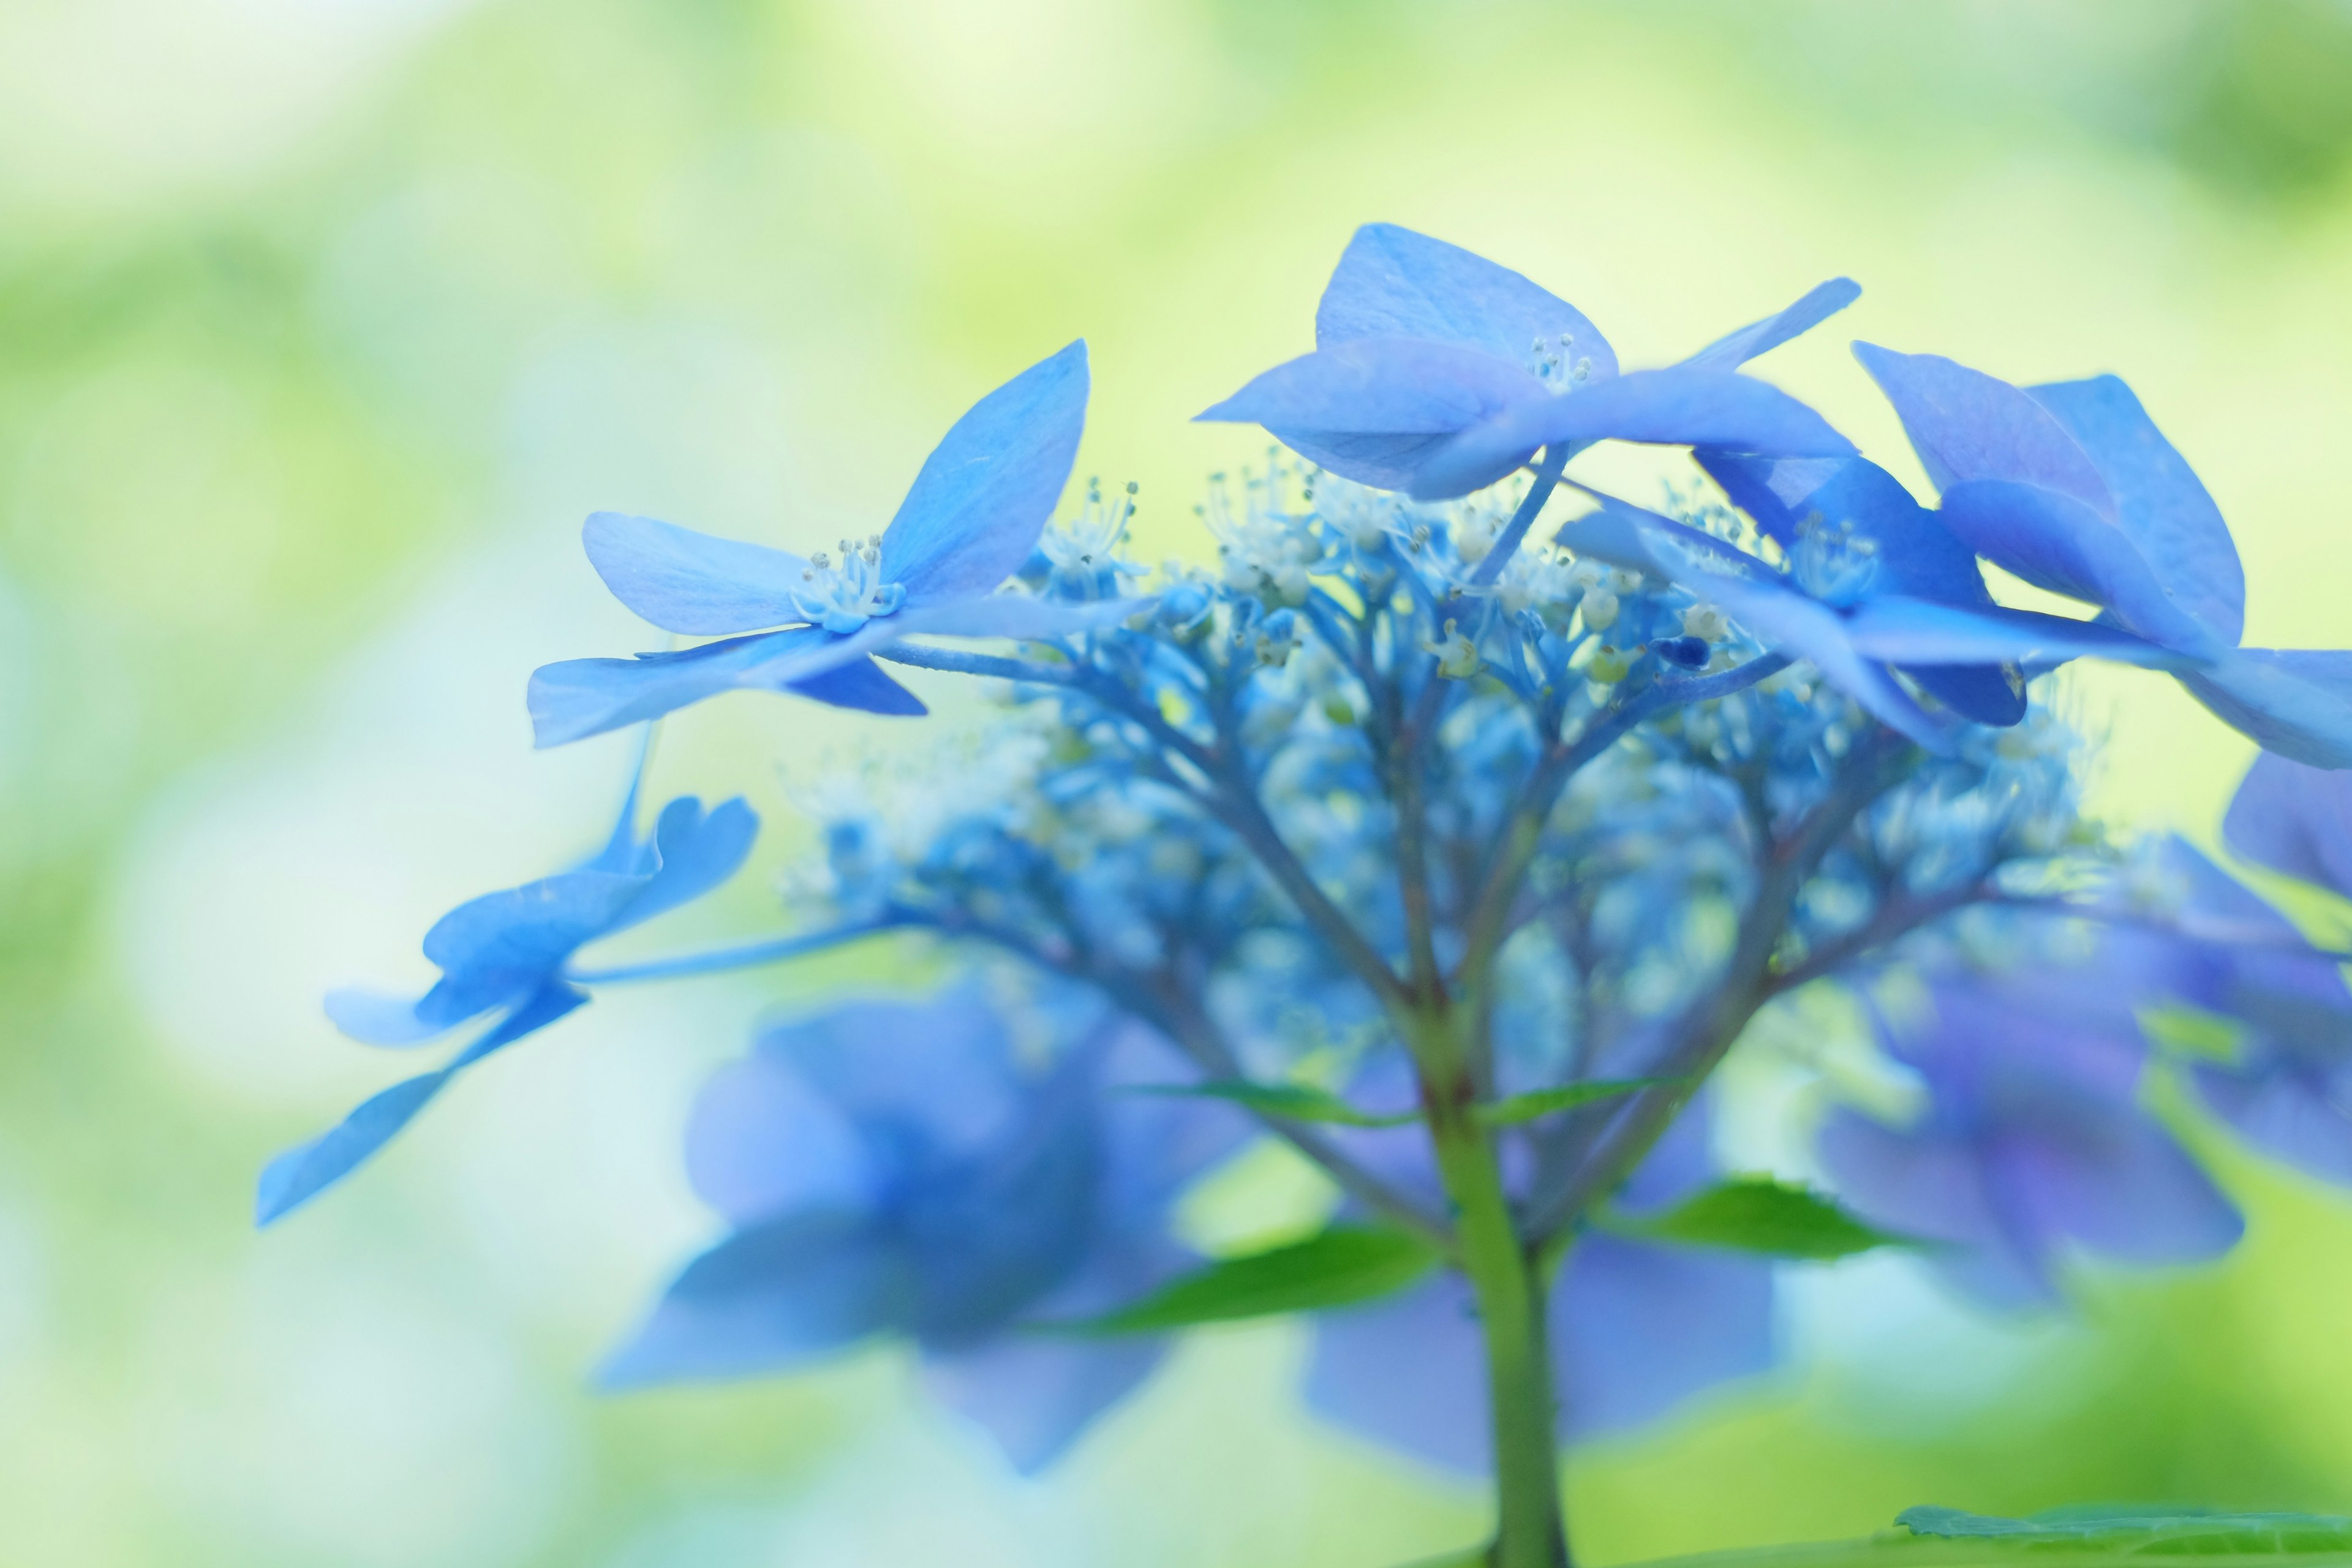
(1451, 838)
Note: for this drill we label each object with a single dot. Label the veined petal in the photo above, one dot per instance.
(1385, 386)
(301, 1173)
(693, 583)
(583, 697)
(1818, 305)
(698, 852)
(772, 1297)
(2055, 542)
(2296, 702)
(1394, 283)
(2294, 818)
(984, 495)
(1965, 424)
(1916, 554)
(1384, 462)
(1676, 406)
(1908, 631)
(527, 930)
(2160, 504)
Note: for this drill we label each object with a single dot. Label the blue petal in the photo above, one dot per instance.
(583, 697)
(1676, 406)
(2296, 702)
(1908, 631)
(692, 583)
(1818, 305)
(1965, 424)
(1638, 1329)
(861, 684)
(2296, 819)
(1384, 462)
(301, 1173)
(2055, 542)
(762, 1142)
(1933, 1187)
(1393, 283)
(2296, 1116)
(940, 1071)
(2160, 504)
(1385, 386)
(1917, 555)
(513, 936)
(1014, 615)
(984, 493)
(1776, 615)
(771, 1297)
(375, 1019)
(1407, 1371)
(697, 853)
(1034, 1395)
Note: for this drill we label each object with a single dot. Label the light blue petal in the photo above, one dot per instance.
(2162, 506)
(1393, 283)
(1677, 406)
(1407, 1372)
(512, 936)
(942, 1071)
(761, 1142)
(2294, 702)
(1384, 462)
(774, 1297)
(1819, 304)
(1916, 554)
(1965, 424)
(1908, 631)
(2293, 1116)
(984, 493)
(1776, 615)
(699, 852)
(301, 1173)
(692, 583)
(2055, 542)
(375, 1019)
(2294, 818)
(1385, 386)
(1934, 1187)
(583, 697)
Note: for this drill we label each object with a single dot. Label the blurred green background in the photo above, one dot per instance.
(323, 322)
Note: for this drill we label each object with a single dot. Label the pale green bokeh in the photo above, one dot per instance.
(322, 325)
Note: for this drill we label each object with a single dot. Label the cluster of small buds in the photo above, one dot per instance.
(1457, 656)
(1266, 550)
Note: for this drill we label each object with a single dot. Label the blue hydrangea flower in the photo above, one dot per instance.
(2294, 819)
(1885, 587)
(505, 954)
(1437, 372)
(895, 1169)
(1637, 1329)
(970, 521)
(2072, 487)
(2030, 1143)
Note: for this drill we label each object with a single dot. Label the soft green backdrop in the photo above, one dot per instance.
(322, 323)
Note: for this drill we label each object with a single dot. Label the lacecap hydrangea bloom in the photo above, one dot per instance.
(1444, 825)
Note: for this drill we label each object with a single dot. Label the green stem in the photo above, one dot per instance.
(1529, 1532)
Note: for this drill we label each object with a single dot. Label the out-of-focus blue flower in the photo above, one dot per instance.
(1438, 373)
(893, 1169)
(1637, 1328)
(2295, 819)
(2030, 1142)
(971, 519)
(2072, 487)
(505, 953)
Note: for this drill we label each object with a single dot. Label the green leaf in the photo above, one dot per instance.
(2144, 1531)
(1298, 1101)
(1757, 1214)
(1527, 1107)
(1342, 1265)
